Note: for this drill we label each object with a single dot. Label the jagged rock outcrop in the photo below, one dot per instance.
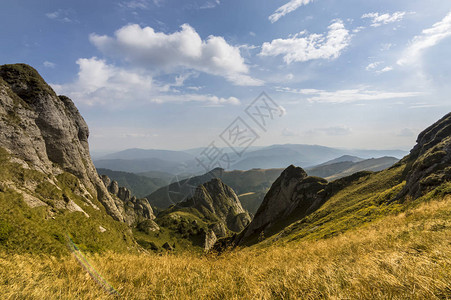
(216, 200)
(220, 206)
(136, 212)
(45, 132)
(429, 163)
(294, 193)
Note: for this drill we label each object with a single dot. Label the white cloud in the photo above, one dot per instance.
(300, 48)
(373, 65)
(348, 96)
(144, 47)
(135, 4)
(61, 15)
(209, 100)
(99, 83)
(49, 64)
(380, 19)
(287, 8)
(210, 4)
(386, 47)
(428, 38)
(386, 69)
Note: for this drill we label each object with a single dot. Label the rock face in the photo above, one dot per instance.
(218, 205)
(429, 163)
(293, 193)
(136, 212)
(217, 200)
(45, 132)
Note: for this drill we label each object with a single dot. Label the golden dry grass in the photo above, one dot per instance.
(407, 256)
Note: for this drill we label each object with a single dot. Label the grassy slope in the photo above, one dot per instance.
(45, 229)
(400, 256)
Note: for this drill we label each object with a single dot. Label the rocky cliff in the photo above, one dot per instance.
(45, 132)
(429, 163)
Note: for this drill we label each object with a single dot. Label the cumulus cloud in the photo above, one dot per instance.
(287, 8)
(183, 49)
(99, 83)
(301, 48)
(348, 96)
(382, 19)
(428, 38)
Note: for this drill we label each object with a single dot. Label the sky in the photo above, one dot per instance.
(169, 74)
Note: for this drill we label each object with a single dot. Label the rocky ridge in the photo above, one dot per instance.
(137, 212)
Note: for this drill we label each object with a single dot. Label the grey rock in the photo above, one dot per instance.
(106, 180)
(293, 193)
(46, 132)
(429, 163)
(123, 194)
(210, 240)
(148, 226)
(216, 200)
(114, 188)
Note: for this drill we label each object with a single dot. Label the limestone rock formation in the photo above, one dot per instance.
(219, 206)
(214, 199)
(45, 132)
(135, 211)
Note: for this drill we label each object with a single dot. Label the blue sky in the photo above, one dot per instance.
(168, 74)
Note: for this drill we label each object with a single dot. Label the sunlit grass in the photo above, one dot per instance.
(404, 256)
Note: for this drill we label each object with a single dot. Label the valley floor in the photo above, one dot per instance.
(407, 256)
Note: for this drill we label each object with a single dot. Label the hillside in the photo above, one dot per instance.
(341, 168)
(299, 206)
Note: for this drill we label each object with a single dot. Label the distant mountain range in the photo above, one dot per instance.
(348, 165)
(275, 156)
